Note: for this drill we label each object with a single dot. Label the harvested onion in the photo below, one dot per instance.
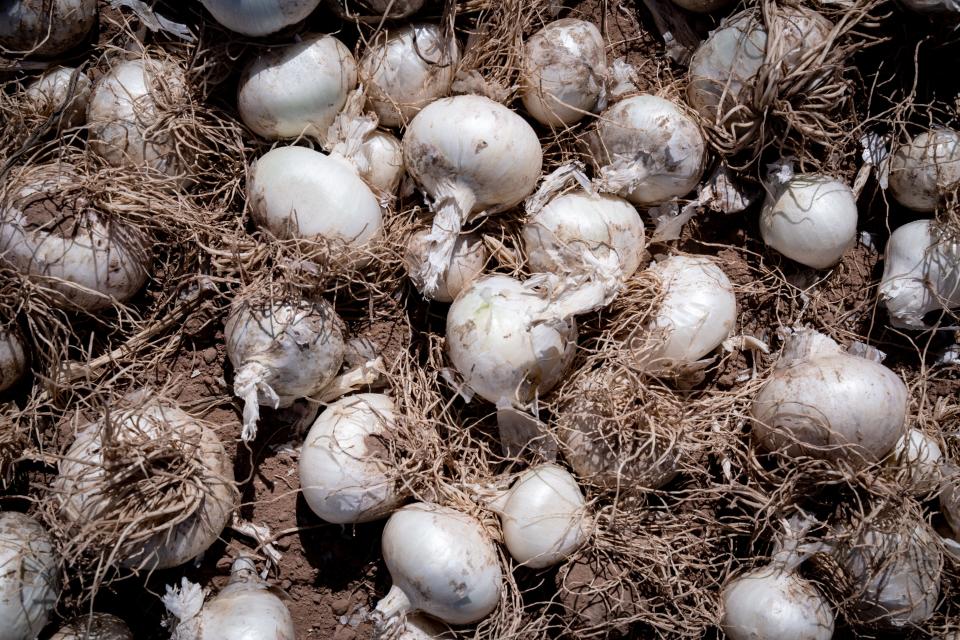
(45, 27)
(96, 626)
(926, 168)
(259, 17)
(13, 357)
(918, 457)
(29, 576)
(51, 94)
(467, 261)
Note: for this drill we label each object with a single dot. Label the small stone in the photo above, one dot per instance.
(210, 355)
(340, 606)
(285, 585)
(209, 381)
(344, 633)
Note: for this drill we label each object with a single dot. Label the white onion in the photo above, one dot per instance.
(823, 402)
(298, 89)
(442, 563)
(563, 71)
(13, 357)
(296, 192)
(467, 261)
(919, 457)
(281, 351)
(259, 17)
(407, 71)
(125, 108)
(51, 93)
(49, 232)
(344, 467)
(702, 6)
(697, 312)
(811, 219)
(382, 165)
(544, 516)
(84, 484)
(29, 576)
(950, 499)
(926, 168)
(773, 603)
(469, 154)
(507, 341)
(647, 150)
(420, 627)
(921, 274)
(396, 8)
(45, 27)
(96, 626)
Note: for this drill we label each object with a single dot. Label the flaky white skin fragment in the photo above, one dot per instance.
(45, 27)
(925, 169)
(467, 262)
(50, 93)
(29, 576)
(259, 17)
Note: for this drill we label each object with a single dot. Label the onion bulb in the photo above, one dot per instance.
(442, 563)
(811, 219)
(469, 154)
(647, 150)
(45, 27)
(281, 351)
(950, 499)
(919, 458)
(125, 109)
(467, 261)
(13, 357)
(298, 89)
(702, 6)
(51, 94)
(563, 72)
(393, 8)
(29, 576)
(247, 608)
(259, 17)
(544, 516)
(50, 232)
(420, 627)
(823, 402)
(344, 469)
(119, 479)
(96, 626)
(508, 342)
(297, 192)
(406, 71)
(921, 273)
(381, 164)
(925, 169)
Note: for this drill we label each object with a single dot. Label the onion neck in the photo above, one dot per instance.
(451, 206)
(623, 175)
(364, 375)
(390, 611)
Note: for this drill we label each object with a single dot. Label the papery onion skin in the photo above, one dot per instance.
(406, 72)
(811, 219)
(563, 71)
(771, 603)
(442, 563)
(298, 89)
(45, 27)
(344, 467)
(259, 17)
(29, 576)
(296, 192)
(246, 609)
(469, 258)
(51, 93)
(926, 168)
(495, 345)
(13, 358)
(96, 626)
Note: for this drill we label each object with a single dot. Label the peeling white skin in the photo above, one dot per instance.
(647, 150)
(921, 273)
(50, 92)
(97, 626)
(469, 257)
(77, 487)
(771, 603)
(75, 251)
(382, 166)
(246, 609)
(925, 168)
(498, 341)
(563, 72)
(29, 576)
(298, 89)
(407, 71)
(259, 17)
(45, 27)
(811, 219)
(13, 358)
(544, 516)
(125, 107)
(825, 403)
(920, 457)
(442, 563)
(344, 469)
(297, 192)
(577, 231)
(702, 6)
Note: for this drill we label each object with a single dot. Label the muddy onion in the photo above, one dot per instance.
(45, 27)
(298, 89)
(13, 357)
(647, 150)
(51, 93)
(469, 154)
(442, 563)
(281, 351)
(29, 576)
(926, 168)
(811, 219)
(563, 71)
(823, 402)
(345, 476)
(921, 273)
(259, 17)
(96, 626)
(467, 261)
(774, 603)
(407, 71)
(919, 458)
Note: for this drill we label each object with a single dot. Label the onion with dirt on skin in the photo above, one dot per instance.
(51, 94)
(96, 626)
(467, 262)
(13, 357)
(918, 459)
(925, 169)
(259, 17)
(45, 27)
(29, 576)
(442, 563)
